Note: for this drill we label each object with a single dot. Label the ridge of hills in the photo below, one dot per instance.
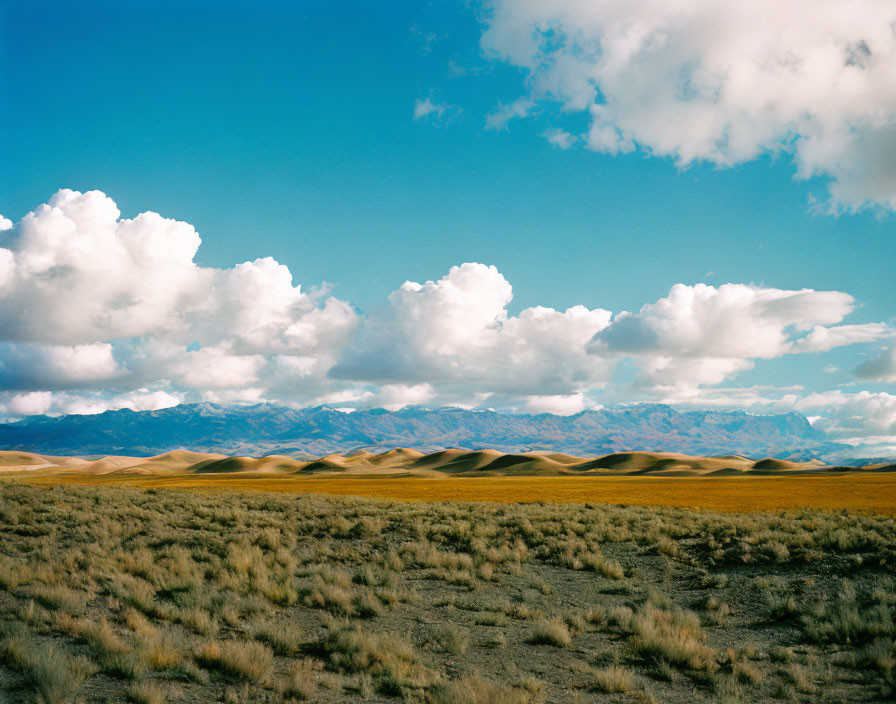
(268, 429)
(408, 462)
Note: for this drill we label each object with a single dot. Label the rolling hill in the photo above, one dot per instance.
(404, 462)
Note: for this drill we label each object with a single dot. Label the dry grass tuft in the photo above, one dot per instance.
(673, 637)
(299, 682)
(476, 690)
(284, 637)
(613, 679)
(60, 598)
(391, 662)
(452, 639)
(147, 692)
(54, 677)
(246, 660)
(553, 632)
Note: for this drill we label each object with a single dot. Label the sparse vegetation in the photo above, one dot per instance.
(155, 596)
(452, 639)
(553, 632)
(613, 679)
(147, 692)
(673, 637)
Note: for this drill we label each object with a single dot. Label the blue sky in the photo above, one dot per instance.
(287, 130)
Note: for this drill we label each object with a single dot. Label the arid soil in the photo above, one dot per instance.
(112, 594)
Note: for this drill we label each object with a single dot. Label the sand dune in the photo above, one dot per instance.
(400, 455)
(438, 459)
(12, 459)
(466, 461)
(17, 460)
(660, 462)
(325, 464)
(557, 457)
(407, 462)
(270, 464)
(880, 467)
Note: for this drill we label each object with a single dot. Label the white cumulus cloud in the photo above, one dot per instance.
(30, 403)
(704, 334)
(30, 365)
(720, 80)
(559, 405)
(83, 403)
(457, 331)
(392, 397)
(90, 298)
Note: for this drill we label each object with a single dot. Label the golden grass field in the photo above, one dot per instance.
(871, 493)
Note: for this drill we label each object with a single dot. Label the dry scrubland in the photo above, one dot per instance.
(122, 594)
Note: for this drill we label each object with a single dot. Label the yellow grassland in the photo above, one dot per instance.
(871, 492)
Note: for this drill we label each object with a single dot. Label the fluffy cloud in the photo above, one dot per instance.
(28, 404)
(88, 298)
(685, 375)
(821, 339)
(38, 402)
(731, 321)
(74, 272)
(720, 80)
(559, 405)
(703, 335)
(32, 365)
(864, 419)
(882, 368)
(392, 397)
(860, 417)
(457, 332)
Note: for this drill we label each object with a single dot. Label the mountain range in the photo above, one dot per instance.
(314, 432)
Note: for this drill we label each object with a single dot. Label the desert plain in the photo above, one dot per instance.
(451, 577)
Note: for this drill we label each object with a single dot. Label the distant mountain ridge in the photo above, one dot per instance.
(313, 432)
